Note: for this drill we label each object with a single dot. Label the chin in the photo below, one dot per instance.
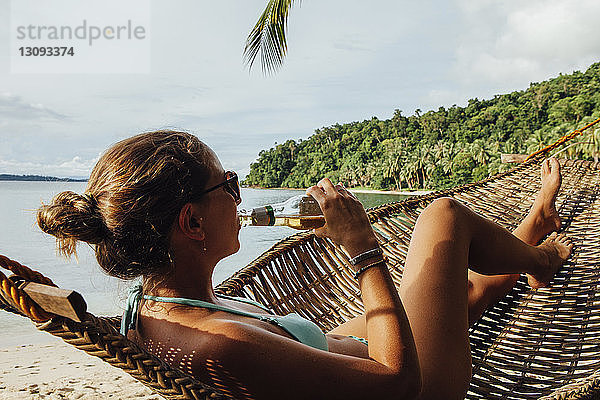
(234, 249)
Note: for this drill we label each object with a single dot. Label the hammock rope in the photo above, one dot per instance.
(532, 344)
(20, 300)
(562, 140)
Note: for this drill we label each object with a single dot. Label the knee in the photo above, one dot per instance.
(445, 204)
(443, 209)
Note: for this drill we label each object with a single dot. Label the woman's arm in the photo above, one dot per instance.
(251, 362)
(390, 339)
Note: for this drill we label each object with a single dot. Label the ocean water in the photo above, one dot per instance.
(22, 240)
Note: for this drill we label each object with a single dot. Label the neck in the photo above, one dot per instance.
(191, 279)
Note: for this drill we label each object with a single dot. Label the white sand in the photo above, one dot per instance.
(56, 370)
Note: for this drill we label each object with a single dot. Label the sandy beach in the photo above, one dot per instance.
(55, 370)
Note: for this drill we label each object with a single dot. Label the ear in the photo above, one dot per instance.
(190, 222)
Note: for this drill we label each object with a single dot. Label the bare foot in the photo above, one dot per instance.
(544, 209)
(557, 249)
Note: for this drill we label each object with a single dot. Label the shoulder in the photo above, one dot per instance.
(209, 335)
(231, 332)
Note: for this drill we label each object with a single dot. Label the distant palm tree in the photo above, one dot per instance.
(479, 152)
(536, 141)
(392, 168)
(268, 37)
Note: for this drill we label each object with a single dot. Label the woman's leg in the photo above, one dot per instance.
(434, 289)
(485, 290)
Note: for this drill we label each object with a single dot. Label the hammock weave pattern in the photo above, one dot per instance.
(530, 345)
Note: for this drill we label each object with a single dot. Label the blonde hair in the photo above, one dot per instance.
(132, 199)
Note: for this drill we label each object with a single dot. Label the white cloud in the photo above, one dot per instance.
(514, 43)
(15, 107)
(552, 29)
(77, 167)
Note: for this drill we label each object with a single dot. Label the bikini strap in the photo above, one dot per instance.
(205, 304)
(245, 300)
(129, 320)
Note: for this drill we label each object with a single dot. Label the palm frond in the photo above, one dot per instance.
(268, 37)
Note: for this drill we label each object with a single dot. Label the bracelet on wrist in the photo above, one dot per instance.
(372, 253)
(368, 266)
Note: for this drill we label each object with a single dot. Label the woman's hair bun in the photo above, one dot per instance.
(72, 217)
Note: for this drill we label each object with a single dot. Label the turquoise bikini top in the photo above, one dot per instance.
(301, 329)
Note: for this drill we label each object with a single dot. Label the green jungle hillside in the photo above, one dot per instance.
(443, 148)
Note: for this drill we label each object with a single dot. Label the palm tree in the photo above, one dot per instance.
(392, 167)
(268, 37)
(479, 152)
(536, 141)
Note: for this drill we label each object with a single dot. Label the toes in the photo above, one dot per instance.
(562, 238)
(545, 167)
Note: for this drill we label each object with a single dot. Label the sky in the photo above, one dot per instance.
(347, 61)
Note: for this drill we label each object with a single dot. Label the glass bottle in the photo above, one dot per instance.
(298, 212)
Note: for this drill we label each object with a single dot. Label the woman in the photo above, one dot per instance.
(159, 205)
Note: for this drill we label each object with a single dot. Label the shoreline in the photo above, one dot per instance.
(365, 191)
(393, 192)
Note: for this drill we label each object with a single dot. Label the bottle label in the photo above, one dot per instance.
(263, 216)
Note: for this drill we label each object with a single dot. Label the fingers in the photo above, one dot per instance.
(317, 193)
(345, 192)
(321, 190)
(325, 188)
(342, 190)
(346, 222)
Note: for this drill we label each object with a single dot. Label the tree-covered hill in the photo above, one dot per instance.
(442, 148)
(36, 178)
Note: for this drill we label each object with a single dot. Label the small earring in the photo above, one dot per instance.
(203, 242)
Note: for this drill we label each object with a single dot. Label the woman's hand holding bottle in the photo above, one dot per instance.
(347, 223)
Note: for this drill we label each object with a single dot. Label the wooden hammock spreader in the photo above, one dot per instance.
(532, 344)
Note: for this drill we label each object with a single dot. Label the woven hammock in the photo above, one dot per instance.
(530, 345)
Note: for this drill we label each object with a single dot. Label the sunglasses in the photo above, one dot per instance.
(231, 186)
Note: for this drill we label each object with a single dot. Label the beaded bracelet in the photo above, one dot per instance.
(366, 267)
(366, 255)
